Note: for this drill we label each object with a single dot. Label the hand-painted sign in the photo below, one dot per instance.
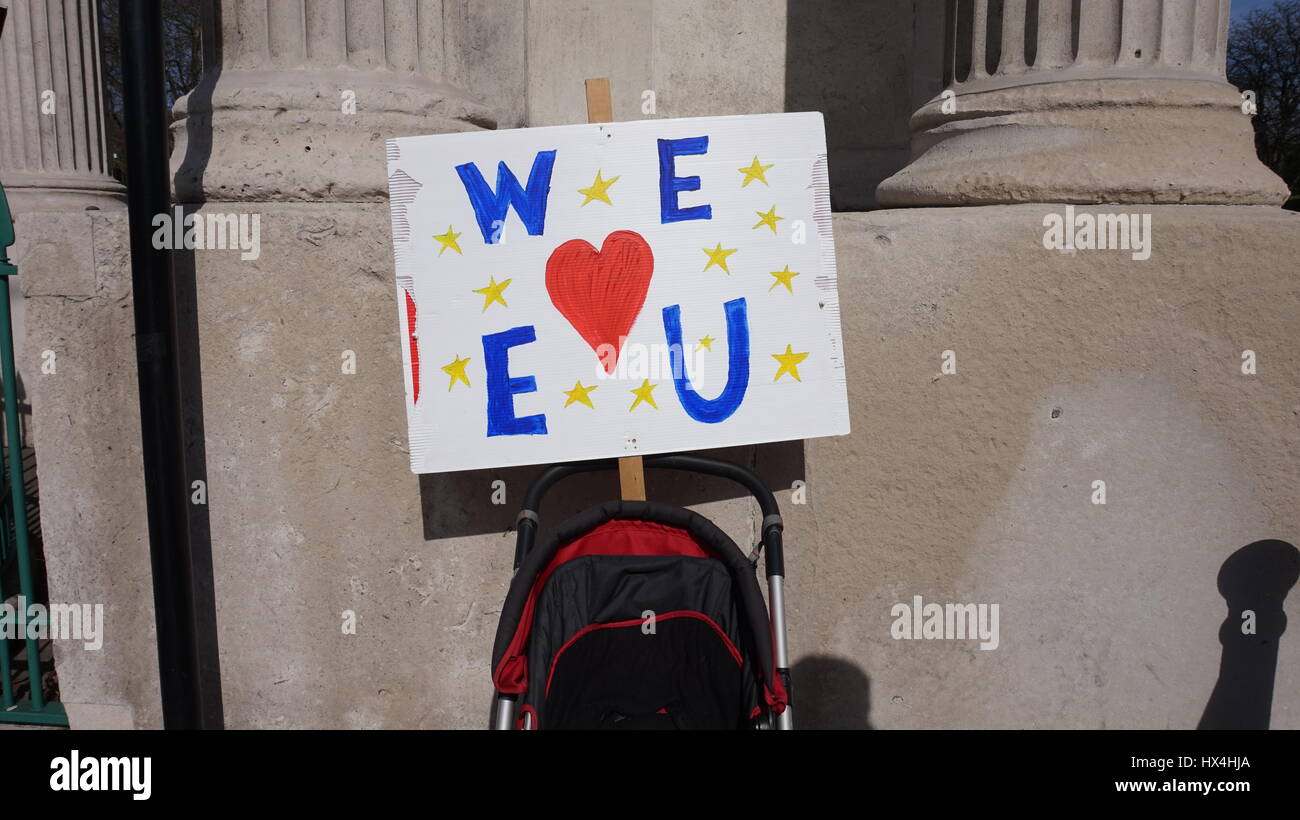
(592, 291)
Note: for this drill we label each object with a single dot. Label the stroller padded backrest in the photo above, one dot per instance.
(635, 614)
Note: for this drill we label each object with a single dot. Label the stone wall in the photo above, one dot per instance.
(74, 269)
(749, 57)
(977, 486)
(970, 487)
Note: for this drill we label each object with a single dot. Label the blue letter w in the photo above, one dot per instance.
(530, 203)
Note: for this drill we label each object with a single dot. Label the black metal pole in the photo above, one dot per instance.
(162, 430)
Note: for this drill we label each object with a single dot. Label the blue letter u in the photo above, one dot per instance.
(711, 411)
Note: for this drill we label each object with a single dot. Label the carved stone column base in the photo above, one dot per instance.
(287, 136)
(1086, 141)
(29, 191)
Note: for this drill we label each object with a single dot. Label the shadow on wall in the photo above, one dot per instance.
(196, 467)
(830, 693)
(472, 503)
(867, 65)
(1254, 581)
(188, 180)
(198, 151)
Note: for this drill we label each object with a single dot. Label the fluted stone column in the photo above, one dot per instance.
(52, 148)
(1099, 101)
(298, 97)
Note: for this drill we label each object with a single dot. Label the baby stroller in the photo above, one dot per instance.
(642, 615)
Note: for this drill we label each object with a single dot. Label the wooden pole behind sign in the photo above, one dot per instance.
(600, 105)
(600, 108)
(631, 478)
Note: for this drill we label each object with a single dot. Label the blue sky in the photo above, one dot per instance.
(1240, 8)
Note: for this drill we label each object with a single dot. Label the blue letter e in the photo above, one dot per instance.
(670, 185)
(501, 389)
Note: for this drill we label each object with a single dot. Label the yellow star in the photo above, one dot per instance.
(783, 277)
(754, 172)
(707, 343)
(718, 257)
(448, 240)
(598, 190)
(580, 394)
(644, 393)
(789, 363)
(492, 293)
(457, 371)
(769, 219)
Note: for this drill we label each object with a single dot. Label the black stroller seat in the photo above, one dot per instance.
(641, 615)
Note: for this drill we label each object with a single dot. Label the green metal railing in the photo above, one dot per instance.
(14, 532)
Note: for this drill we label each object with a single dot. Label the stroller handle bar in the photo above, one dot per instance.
(773, 560)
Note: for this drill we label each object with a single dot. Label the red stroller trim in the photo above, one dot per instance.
(633, 530)
(617, 537)
(685, 613)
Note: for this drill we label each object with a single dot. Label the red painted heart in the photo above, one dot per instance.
(601, 292)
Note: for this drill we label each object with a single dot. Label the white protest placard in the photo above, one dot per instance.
(615, 289)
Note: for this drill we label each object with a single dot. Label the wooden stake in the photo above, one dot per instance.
(600, 105)
(631, 470)
(631, 478)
